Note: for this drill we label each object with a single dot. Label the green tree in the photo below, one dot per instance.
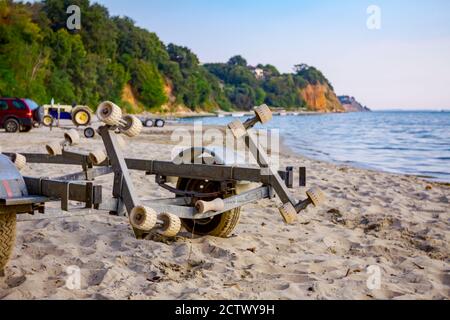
(237, 61)
(148, 83)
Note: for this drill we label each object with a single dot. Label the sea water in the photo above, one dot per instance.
(413, 143)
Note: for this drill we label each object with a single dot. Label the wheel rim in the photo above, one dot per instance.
(47, 121)
(11, 126)
(89, 133)
(82, 117)
(204, 187)
(219, 225)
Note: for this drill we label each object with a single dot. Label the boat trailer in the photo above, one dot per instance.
(208, 193)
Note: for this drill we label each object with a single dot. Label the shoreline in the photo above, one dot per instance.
(284, 148)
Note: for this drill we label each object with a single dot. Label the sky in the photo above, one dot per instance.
(403, 64)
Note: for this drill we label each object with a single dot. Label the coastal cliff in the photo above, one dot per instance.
(321, 98)
(350, 104)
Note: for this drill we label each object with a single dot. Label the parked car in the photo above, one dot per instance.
(19, 114)
(80, 115)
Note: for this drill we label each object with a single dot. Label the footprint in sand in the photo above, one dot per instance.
(337, 244)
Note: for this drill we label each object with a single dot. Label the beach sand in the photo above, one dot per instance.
(371, 222)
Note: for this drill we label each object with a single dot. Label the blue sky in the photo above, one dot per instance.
(405, 64)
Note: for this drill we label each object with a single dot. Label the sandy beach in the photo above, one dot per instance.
(396, 223)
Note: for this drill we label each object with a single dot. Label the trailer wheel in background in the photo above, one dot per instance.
(160, 123)
(149, 123)
(220, 226)
(7, 238)
(89, 133)
(81, 116)
(47, 120)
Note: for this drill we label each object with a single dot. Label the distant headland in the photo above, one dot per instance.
(350, 104)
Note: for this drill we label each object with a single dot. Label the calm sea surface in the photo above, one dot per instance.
(415, 143)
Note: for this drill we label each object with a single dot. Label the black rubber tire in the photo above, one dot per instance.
(87, 114)
(7, 238)
(89, 133)
(38, 114)
(160, 123)
(221, 226)
(11, 125)
(149, 123)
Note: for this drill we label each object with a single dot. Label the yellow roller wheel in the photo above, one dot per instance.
(72, 137)
(54, 149)
(237, 129)
(19, 161)
(316, 196)
(263, 113)
(171, 225)
(109, 113)
(133, 126)
(97, 157)
(143, 218)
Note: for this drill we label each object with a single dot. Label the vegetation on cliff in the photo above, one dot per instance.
(110, 58)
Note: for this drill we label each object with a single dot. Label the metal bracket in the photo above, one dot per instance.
(302, 177)
(65, 196)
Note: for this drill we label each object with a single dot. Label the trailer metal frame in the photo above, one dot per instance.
(80, 186)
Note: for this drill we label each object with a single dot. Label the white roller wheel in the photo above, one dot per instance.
(121, 141)
(237, 129)
(109, 113)
(19, 161)
(316, 196)
(72, 137)
(171, 225)
(263, 113)
(97, 157)
(133, 126)
(143, 218)
(54, 149)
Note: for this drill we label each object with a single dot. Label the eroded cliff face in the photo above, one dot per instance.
(321, 98)
(350, 104)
